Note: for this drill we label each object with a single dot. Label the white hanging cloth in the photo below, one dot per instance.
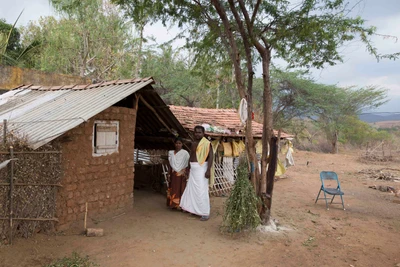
(229, 173)
(4, 163)
(243, 110)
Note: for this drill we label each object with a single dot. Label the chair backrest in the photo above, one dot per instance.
(329, 175)
(325, 175)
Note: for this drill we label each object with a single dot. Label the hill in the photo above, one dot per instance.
(377, 117)
(386, 124)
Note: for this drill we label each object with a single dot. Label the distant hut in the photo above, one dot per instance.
(224, 128)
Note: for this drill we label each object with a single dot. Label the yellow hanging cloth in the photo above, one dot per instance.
(235, 149)
(280, 169)
(215, 144)
(287, 146)
(242, 146)
(227, 149)
(259, 147)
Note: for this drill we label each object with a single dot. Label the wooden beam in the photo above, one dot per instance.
(159, 118)
(158, 139)
(155, 113)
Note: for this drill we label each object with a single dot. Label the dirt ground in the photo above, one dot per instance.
(367, 233)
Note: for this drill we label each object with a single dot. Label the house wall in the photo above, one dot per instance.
(11, 77)
(104, 182)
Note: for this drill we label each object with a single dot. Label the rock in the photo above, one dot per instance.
(94, 232)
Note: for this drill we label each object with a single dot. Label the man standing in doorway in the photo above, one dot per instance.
(195, 198)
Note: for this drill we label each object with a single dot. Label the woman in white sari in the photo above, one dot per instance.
(177, 175)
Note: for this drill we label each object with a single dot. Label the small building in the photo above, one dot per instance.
(224, 127)
(95, 129)
(219, 123)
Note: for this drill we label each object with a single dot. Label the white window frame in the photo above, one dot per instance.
(105, 149)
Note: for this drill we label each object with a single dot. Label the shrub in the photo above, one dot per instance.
(74, 261)
(241, 206)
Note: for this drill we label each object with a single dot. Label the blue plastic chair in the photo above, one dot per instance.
(335, 191)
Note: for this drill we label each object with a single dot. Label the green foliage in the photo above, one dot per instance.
(333, 109)
(306, 34)
(13, 42)
(141, 14)
(10, 46)
(359, 133)
(181, 82)
(241, 206)
(291, 91)
(174, 77)
(74, 261)
(90, 39)
(333, 105)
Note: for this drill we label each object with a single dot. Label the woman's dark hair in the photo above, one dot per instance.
(178, 138)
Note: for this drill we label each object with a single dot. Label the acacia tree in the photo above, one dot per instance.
(295, 94)
(306, 34)
(334, 105)
(176, 78)
(147, 13)
(90, 40)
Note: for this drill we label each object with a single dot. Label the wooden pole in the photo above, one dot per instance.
(85, 220)
(4, 132)
(11, 192)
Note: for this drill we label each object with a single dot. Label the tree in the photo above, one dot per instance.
(306, 34)
(90, 40)
(176, 78)
(290, 93)
(360, 133)
(6, 29)
(296, 95)
(10, 45)
(334, 105)
(141, 15)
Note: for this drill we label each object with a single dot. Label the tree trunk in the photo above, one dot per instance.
(234, 51)
(335, 138)
(139, 58)
(267, 177)
(85, 53)
(250, 147)
(267, 198)
(265, 184)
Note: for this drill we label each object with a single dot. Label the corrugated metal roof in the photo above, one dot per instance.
(41, 113)
(225, 122)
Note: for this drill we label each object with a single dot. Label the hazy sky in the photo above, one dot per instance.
(359, 68)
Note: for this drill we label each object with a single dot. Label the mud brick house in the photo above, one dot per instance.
(96, 128)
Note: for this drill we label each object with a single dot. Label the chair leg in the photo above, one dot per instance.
(342, 202)
(318, 196)
(326, 202)
(333, 198)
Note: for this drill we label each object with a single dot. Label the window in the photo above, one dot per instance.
(105, 137)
